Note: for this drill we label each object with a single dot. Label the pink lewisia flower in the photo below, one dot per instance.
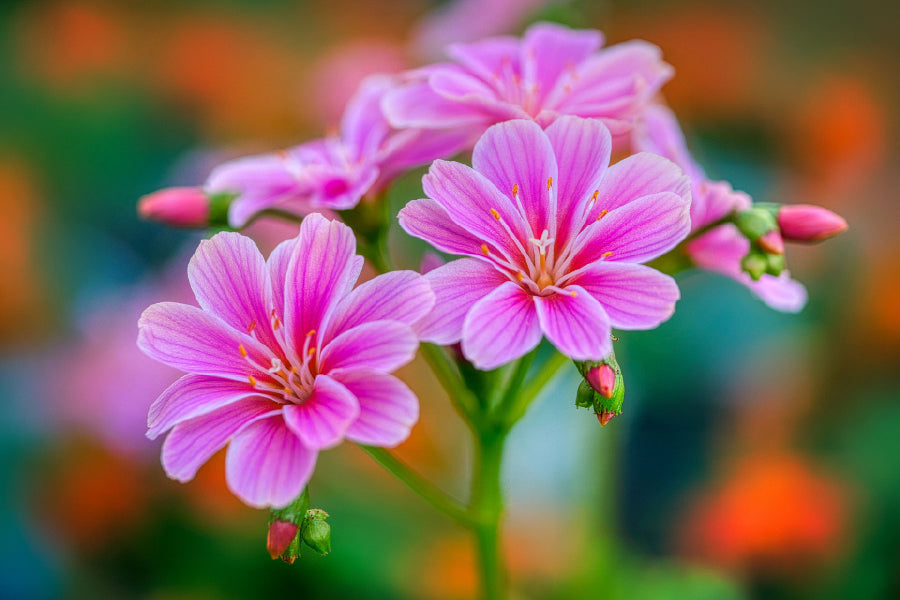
(335, 172)
(722, 249)
(284, 358)
(554, 239)
(551, 71)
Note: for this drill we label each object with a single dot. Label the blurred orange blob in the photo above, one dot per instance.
(839, 132)
(717, 51)
(210, 497)
(66, 43)
(772, 512)
(21, 303)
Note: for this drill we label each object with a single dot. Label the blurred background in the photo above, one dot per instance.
(757, 454)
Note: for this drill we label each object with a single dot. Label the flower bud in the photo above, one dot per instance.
(775, 264)
(755, 222)
(281, 534)
(605, 416)
(808, 223)
(755, 265)
(771, 242)
(177, 207)
(602, 379)
(316, 532)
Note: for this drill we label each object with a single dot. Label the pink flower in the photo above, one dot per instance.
(551, 71)
(335, 172)
(284, 358)
(176, 207)
(722, 249)
(808, 223)
(554, 239)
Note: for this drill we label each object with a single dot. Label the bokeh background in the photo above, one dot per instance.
(757, 455)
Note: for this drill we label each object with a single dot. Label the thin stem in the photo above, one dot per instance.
(424, 488)
(518, 405)
(487, 504)
(515, 383)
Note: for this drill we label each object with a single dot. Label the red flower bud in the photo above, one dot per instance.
(177, 207)
(808, 223)
(605, 416)
(281, 534)
(772, 243)
(603, 379)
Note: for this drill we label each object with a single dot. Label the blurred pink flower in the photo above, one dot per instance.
(551, 71)
(722, 249)
(335, 172)
(284, 359)
(554, 237)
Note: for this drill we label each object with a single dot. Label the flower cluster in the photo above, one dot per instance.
(284, 358)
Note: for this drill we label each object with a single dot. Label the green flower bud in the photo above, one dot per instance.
(755, 264)
(602, 389)
(316, 532)
(755, 222)
(774, 264)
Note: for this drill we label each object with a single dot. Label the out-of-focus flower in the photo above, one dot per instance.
(773, 511)
(551, 71)
(468, 21)
(808, 223)
(334, 172)
(283, 359)
(176, 207)
(555, 239)
(721, 249)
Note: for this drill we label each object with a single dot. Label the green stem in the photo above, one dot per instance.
(487, 504)
(518, 405)
(424, 488)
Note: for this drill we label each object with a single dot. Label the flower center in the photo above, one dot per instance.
(289, 380)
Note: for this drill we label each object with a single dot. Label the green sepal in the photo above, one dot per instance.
(218, 208)
(295, 512)
(316, 532)
(755, 222)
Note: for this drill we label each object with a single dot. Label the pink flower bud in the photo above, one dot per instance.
(605, 416)
(603, 379)
(771, 242)
(808, 223)
(281, 534)
(177, 207)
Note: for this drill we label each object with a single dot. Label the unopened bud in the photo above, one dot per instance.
(316, 532)
(755, 222)
(775, 264)
(755, 265)
(281, 534)
(808, 223)
(602, 379)
(605, 416)
(771, 242)
(177, 207)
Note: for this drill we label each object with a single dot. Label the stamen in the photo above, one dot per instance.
(495, 214)
(602, 214)
(606, 255)
(252, 380)
(242, 350)
(549, 183)
(515, 189)
(311, 351)
(484, 249)
(251, 327)
(595, 195)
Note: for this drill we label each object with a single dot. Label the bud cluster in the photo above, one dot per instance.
(768, 225)
(602, 388)
(296, 523)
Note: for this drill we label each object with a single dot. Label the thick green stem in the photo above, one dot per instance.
(424, 488)
(487, 504)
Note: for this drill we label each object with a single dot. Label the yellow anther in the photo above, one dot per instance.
(495, 214)
(243, 350)
(484, 249)
(606, 255)
(293, 369)
(287, 390)
(276, 323)
(515, 189)
(549, 183)
(520, 277)
(602, 214)
(573, 293)
(311, 333)
(252, 380)
(311, 351)
(594, 196)
(251, 327)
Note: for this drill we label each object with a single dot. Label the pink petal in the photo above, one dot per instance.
(260, 182)
(549, 49)
(781, 293)
(364, 127)
(460, 87)
(637, 176)
(658, 132)
(191, 443)
(277, 264)
(403, 296)
(428, 220)
(230, 280)
(189, 339)
(457, 286)
(417, 105)
(636, 232)
(378, 345)
(387, 408)
(518, 153)
(472, 201)
(321, 420)
(500, 327)
(582, 148)
(575, 322)
(267, 465)
(634, 296)
(192, 396)
(322, 270)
